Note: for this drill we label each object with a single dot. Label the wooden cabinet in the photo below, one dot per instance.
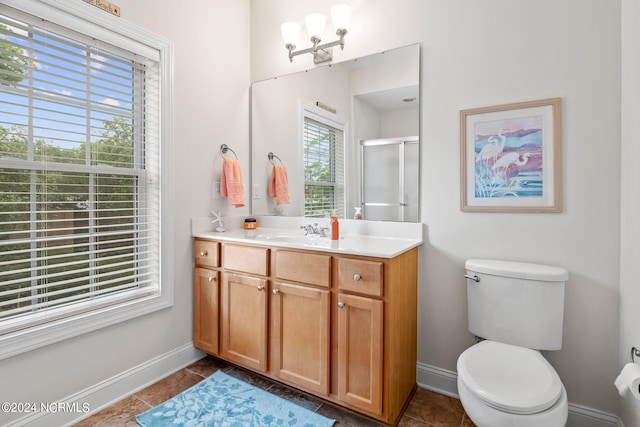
(359, 276)
(245, 259)
(206, 253)
(360, 347)
(360, 333)
(341, 327)
(299, 324)
(206, 288)
(308, 268)
(243, 306)
(244, 320)
(205, 309)
(300, 336)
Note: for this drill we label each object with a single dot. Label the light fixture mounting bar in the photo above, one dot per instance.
(321, 52)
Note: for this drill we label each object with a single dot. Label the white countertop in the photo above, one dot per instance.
(377, 239)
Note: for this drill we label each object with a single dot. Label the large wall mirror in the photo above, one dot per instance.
(347, 134)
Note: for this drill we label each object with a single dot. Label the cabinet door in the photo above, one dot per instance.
(300, 336)
(360, 352)
(244, 320)
(205, 310)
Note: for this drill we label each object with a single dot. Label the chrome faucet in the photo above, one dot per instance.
(314, 230)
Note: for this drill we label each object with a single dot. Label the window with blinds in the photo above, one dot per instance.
(79, 173)
(323, 168)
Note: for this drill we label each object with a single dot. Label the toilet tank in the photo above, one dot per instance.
(516, 303)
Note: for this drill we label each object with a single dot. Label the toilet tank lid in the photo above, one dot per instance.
(518, 270)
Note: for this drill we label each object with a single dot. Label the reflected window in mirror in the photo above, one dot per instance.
(323, 149)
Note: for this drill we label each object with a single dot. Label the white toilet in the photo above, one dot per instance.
(517, 308)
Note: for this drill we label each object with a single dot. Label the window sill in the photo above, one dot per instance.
(25, 340)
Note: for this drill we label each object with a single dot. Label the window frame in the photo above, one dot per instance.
(94, 22)
(322, 116)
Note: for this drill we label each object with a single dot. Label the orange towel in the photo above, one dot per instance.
(279, 185)
(231, 182)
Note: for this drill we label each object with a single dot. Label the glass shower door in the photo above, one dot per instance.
(389, 184)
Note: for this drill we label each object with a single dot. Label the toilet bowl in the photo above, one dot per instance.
(502, 385)
(516, 308)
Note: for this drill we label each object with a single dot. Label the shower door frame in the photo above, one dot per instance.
(401, 142)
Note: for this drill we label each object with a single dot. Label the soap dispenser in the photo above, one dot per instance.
(335, 232)
(358, 213)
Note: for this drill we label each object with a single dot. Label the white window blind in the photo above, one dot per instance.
(79, 173)
(323, 168)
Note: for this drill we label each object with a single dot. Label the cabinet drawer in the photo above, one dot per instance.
(247, 259)
(360, 276)
(314, 269)
(205, 253)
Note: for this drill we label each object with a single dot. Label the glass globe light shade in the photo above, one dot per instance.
(315, 24)
(290, 32)
(341, 16)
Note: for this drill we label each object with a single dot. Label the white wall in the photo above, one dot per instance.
(486, 53)
(211, 80)
(630, 228)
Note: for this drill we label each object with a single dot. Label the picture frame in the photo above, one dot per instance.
(511, 157)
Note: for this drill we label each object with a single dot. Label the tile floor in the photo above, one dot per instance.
(426, 409)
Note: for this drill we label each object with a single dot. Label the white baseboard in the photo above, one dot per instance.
(445, 382)
(437, 379)
(114, 389)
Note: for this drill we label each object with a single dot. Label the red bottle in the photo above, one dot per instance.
(335, 232)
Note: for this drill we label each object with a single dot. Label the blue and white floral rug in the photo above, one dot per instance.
(224, 401)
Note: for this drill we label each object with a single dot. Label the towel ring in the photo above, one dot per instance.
(271, 156)
(224, 148)
(634, 352)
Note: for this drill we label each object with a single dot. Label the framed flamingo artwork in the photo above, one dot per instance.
(511, 158)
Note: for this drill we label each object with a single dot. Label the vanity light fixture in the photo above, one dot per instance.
(315, 22)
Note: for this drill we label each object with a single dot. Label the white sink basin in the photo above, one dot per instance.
(296, 239)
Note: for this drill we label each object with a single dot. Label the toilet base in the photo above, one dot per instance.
(486, 416)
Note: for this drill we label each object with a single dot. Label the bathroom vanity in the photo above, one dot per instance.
(336, 319)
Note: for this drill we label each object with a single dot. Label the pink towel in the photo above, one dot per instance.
(279, 184)
(231, 182)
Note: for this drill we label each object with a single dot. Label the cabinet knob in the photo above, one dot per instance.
(340, 304)
(275, 291)
(203, 253)
(211, 278)
(260, 288)
(356, 277)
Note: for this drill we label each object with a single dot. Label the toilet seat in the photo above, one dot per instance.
(509, 378)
